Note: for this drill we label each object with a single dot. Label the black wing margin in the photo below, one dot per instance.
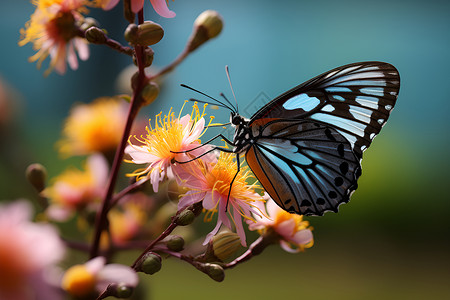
(354, 99)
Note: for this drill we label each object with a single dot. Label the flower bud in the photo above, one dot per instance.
(149, 93)
(174, 243)
(208, 25)
(88, 23)
(148, 52)
(215, 271)
(150, 263)
(127, 12)
(225, 244)
(36, 175)
(95, 35)
(145, 34)
(185, 217)
(131, 33)
(120, 291)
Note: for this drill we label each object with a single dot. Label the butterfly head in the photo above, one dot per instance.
(236, 119)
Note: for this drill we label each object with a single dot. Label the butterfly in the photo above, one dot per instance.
(305, 146)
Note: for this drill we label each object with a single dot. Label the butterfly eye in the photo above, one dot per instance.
(235, 119)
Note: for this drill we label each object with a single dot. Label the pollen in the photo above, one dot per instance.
(169, 136)
(221, 176)
(95, 127)
(78, 281)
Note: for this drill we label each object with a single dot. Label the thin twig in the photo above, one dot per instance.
(101, 223)
(163, 235)
(127, 190)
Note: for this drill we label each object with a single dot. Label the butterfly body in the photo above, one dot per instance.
(305, 146)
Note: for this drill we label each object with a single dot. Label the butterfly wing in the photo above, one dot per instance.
(306, 167)
(354, 99)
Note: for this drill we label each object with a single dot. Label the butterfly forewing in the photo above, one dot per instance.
(305, 166)
(355, 100)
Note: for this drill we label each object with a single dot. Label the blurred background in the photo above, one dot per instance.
(391, 241)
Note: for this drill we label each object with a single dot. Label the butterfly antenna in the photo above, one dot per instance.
(231, 86)
(228, 101)
(201, 93)
(212, 103)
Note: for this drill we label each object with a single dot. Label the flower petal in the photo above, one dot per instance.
(286, 228)
(239, 228)
(108, 4)
(136, 5)
(116, 273)
(161, 8)
(288, 247)
(95, 265)
(210, 235)
(140, 155)
(303, 237)
(190, 198)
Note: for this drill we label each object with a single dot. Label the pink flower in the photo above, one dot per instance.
(95, 276)
(160, 6)
(293, 233)
(28, 251)
(53, 31)
(76, 190)
(210, 182)
(128, 219)
(158, 148)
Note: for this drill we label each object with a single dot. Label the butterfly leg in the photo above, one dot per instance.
(234, 178)
(203, 154)
(206, 143)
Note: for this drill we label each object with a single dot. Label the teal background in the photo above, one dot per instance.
(390, 242)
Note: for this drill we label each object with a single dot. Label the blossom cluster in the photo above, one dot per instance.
(110, 209)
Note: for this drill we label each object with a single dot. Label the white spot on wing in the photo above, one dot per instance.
(346, 124)
(301, 101)
(361, 114)
(328, 108)
(367, 101)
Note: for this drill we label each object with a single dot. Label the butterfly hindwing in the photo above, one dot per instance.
(355, 99)
(306, 167)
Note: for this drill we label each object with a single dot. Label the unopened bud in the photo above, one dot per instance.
(150, 263)
(88, 23)
(37, 175)
(225, 244)
(215, 271)
(185, 217)
(174, 243)
(145, 34)
(131, 33)
(120, 291)
(208, 25)
(149, 93)
(127, 12)
(95, 35)
(148, 56)
(149, 33)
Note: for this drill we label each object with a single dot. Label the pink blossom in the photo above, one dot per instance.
(159, 148)
(53, 31)
(82, 280)
(210, 182)
(28, 252)
(160, 6)
(294, 234)
(75, 190)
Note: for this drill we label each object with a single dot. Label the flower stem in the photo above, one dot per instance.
(101, 223)
(255, 248)
(126, 190)
(164, 234)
